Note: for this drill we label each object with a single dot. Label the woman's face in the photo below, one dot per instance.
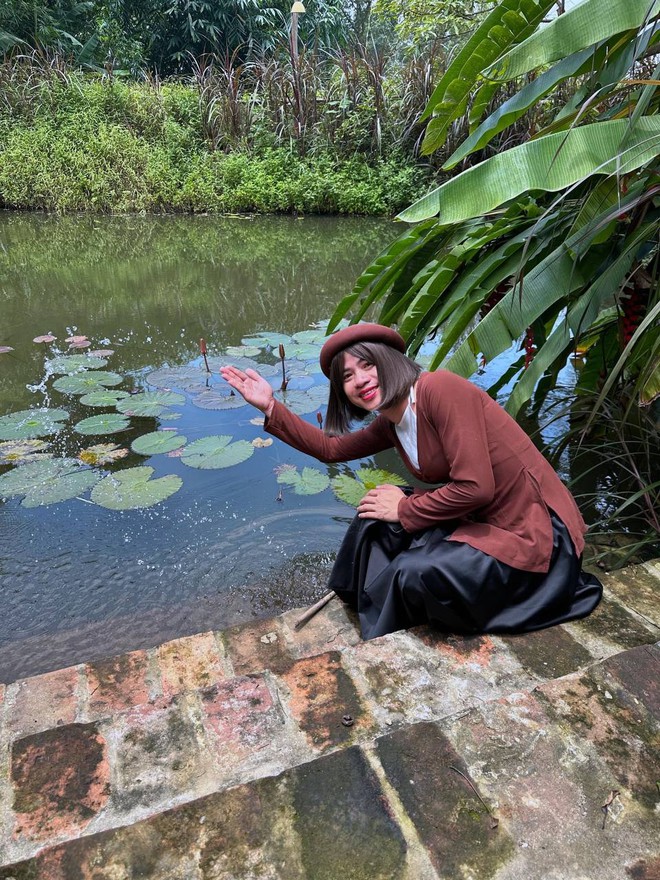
(360, 380)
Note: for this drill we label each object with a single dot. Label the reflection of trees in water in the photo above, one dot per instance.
(156, 276)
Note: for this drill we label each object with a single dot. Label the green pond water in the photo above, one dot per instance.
(80, 581)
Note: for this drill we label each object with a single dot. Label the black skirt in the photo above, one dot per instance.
(395, 579)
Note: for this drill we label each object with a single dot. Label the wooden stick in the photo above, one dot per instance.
(314, 609)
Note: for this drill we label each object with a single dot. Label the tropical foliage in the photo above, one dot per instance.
(555, 239)
(550, 243)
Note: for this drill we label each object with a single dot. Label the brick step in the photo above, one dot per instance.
(105, 745)
(513, 788)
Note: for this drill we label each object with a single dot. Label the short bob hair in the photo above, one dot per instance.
(396, 376)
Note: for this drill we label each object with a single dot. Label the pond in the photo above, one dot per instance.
(81, 581)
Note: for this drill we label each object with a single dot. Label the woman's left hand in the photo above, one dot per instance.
(381, 503)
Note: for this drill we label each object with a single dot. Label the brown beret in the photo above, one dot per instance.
(358, 333)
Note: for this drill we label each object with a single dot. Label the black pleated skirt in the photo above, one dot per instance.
(395, 579)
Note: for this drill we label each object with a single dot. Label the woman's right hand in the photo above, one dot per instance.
(251, 386)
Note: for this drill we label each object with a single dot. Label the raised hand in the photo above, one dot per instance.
(251, 386)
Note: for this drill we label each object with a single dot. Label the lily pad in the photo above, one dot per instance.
(102, 453)
(133, 489)
(310, 482)
(4, 349)
(150, 403)
(274, 339)
(218, 398)
(313, 337)
(83, 383)
(353, 489)
(248, 351)
(111, 423)
(302, 402)
(73, 363)
(46, 338)
(158, 441)
(102, 397)
(303, 352)
(32, 423)
(216, 452)
(18, 451)
(176, 377)
(47, 482)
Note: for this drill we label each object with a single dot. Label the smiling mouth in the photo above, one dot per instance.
(369, 394)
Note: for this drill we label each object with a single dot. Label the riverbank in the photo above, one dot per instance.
(77, 144)
(310, 755)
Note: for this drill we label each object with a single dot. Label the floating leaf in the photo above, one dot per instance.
(274, 339)
(218, 398)
(216, 452)
(5, 348)
(47, 482)
(313, 337)
(111, 423)
(248, 351)
(17, 451)
(303, 352)
(48, 337)
(101, 352)
(176, 377)
(353, 489)
(310, 482)
(103, 397)
(85, 343)
(73, 363)
(170, 416)
(260, 443)
(32, 423)
(302, 402)
(76, 339)
(132, 489)
(102, 453)
(158, 442)
(150, 403)
(83, 383)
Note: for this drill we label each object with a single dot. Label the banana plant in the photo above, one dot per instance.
(552, 240)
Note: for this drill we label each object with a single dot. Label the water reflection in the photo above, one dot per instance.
(81, 582)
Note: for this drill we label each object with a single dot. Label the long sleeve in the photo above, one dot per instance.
(454, 410)
(301, 435)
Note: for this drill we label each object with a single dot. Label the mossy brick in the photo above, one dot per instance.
(117, 683)
(614, 624)
(637, 587)
(257, 646)
(548, 653)
(190, 663)
(320, 694)
(60, 780)
(412, 681)
(638, 671)
(461, 836)
(460, 650)
(616, 726)
(549, 785)
(333, 628)
(321, 821)
(159, 754)
(243, 722)
(344, 821)
(646, 868)
(43, 701)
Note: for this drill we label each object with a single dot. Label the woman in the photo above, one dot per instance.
(496, 548)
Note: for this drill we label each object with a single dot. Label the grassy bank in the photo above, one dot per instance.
(69, 143)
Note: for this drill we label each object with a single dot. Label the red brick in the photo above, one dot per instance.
(320, 694)
(117, 683)
(190, 663)
(60, 779)
(257, 646)
(45, 701)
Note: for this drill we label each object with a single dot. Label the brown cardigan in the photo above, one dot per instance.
(497, 484)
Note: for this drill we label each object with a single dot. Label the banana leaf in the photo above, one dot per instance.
(549, 164)
(587, 23)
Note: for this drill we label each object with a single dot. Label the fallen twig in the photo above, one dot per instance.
(494, 821)
(314, 609)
